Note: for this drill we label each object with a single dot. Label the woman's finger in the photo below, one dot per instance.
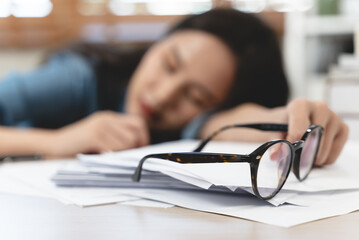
(299, 112)
(329, 133)
(98, 146)
(339, 140)
(115, 142)
(126, 138)
(139, 129)
(320, 114)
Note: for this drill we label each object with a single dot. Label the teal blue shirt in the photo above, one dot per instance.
(57, 93)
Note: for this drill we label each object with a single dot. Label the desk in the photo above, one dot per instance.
(24, 217)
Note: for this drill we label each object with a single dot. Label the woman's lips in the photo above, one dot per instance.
(147, 110)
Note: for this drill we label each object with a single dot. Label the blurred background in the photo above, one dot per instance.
(317, 36)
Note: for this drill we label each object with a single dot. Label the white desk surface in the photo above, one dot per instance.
(24, 217)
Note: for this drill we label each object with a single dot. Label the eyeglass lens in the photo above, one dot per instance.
(309, 153)
(273, 169)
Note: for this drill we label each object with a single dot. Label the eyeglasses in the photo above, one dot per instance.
(270, 163)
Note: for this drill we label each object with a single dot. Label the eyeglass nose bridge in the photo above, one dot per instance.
(298, 145)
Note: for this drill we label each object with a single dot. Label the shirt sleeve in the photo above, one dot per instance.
(59, 92)
(191, 131)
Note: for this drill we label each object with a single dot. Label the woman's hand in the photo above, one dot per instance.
(299, 114)
(100, 132)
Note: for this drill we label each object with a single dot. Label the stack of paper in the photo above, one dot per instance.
(329, 191)
(116, 169)
(79, 175)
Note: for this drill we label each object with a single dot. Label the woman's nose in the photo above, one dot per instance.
(166, 93)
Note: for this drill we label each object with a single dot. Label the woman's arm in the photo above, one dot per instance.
(58, 93)
(299, 114)
(14, 141)
(100, 132)
(244, 113)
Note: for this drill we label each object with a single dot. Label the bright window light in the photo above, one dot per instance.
(25, 8)
(290, 5)
(251, 6)
(123, 7)
(5, 8)
(178, 7)
(159, 7)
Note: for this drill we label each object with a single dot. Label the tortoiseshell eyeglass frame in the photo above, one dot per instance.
(253, 158)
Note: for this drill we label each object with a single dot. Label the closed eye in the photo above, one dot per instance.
(195, 97)
(169, 63)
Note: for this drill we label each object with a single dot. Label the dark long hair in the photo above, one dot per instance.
(259, 75)
(114, 66)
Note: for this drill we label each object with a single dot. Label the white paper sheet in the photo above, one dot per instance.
(13, 186)
(340, 176)
(34, 177)
(147, 203)
(250, 207)
(328, 201)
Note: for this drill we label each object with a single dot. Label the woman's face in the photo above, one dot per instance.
(180, 77)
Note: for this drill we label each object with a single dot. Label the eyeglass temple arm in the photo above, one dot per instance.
(190, 157)
(258, 126)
